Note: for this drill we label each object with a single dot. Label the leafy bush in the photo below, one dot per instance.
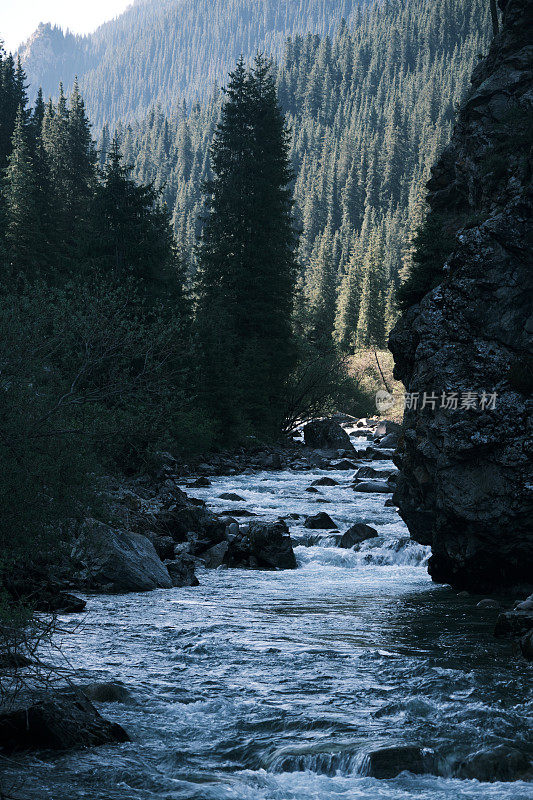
(321, 385)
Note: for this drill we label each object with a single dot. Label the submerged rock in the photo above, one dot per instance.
(235, 498)
(106, 692)
(326, 434)
(465, 487)
(500, 763)
(61, 722)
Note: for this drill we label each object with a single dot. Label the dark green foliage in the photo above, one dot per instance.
(134, 236)
(432, 245)
(21, 212)
(95, 365)
(247, 266)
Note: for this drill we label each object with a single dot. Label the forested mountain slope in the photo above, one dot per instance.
(159, 50)
(369, 110)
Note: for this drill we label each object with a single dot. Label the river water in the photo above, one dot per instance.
(274, 685)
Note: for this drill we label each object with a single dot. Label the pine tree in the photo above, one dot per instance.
(370, 330)
(321, 292)
(22, 220)
(246, 255)
(132, 233)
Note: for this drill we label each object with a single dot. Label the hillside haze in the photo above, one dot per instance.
(159, 51)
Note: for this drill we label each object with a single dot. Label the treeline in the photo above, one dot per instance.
(369, 111)
(158, 50)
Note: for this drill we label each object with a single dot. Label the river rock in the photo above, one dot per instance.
(262, 545)
(499, 763)
(200, 483)
(372, 487)
(356, 534)
(466, 486)
(389, 441)
(388, 762)
(325, 482)
(517, 622)
(271, 545)
(117, 561)
(366, 472)
(526, 646)
(312, 490)
(320, 521)
(343, 465)
(181, 571)
(214, 557)
(488, 602)
(235, 498)
(326, 434)
(60, 722)
(58, 602)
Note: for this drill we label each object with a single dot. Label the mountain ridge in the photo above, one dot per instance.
(156, 53)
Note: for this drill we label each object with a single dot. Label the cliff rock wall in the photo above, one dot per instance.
(466, 485)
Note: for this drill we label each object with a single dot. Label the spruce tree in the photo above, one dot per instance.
(370, 330)
(246, 256)
(22, 220)
(132, 233)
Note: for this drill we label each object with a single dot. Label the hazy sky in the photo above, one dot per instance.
(19, 18)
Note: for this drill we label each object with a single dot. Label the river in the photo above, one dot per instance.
(275, 685)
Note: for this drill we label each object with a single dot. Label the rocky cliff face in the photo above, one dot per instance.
(466, 485)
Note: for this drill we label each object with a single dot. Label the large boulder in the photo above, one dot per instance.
(465, 459)
(500, 763)
(261, 545)
(117, 561)
(271, 545)
(61, 722)
(326, 434)
(356, 534)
